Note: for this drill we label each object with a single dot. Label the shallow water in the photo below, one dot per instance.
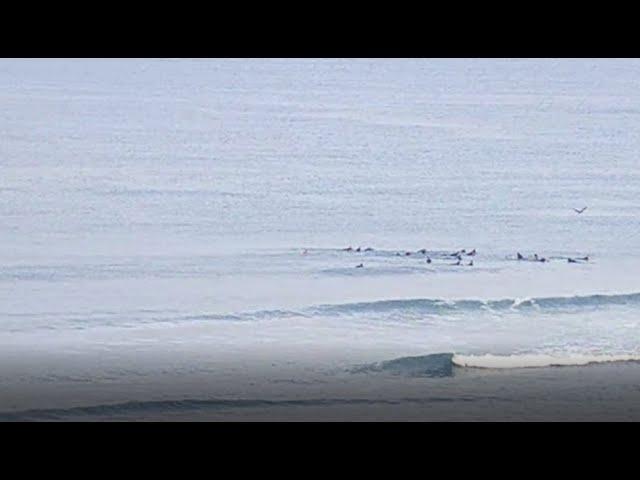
(183, 223)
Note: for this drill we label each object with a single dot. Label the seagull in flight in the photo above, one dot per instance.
(579, 211)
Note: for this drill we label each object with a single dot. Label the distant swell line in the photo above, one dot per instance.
(436, 306)
(441, 305)
(401, 308)
(140, 408)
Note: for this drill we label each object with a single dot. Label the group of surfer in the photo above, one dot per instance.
(536, 258)
(350, 249)
(457, 255)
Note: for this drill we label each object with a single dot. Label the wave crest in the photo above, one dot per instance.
(410, 308)
(435, 306)
(434, 365)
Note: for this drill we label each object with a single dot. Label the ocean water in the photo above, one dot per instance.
(173, 233)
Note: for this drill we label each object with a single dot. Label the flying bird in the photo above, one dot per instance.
(579, 211)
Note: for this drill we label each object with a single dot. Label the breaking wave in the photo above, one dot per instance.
(440, 365)
(537, 360)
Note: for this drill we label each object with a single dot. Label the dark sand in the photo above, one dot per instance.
(602, 392)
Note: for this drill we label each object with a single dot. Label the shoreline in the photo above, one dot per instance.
(596, 392)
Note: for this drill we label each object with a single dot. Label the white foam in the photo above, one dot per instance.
(519, 301)
(536, 360)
